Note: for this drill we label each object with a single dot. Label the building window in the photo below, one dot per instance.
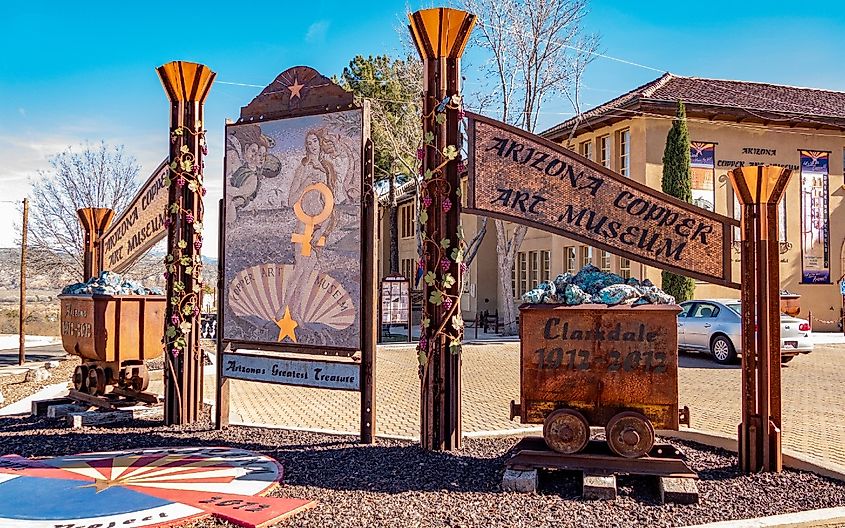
(605, 261)
(533, 269)
(604, 151)
(569, 258)
(625, 152)
(406, 220)
(586, 255)
(545, 267)
(522, 259)
(586, 149)
(408, 267)
(624, 268)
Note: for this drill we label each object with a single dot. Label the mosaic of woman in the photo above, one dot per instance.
(321, 196)
(247, 147)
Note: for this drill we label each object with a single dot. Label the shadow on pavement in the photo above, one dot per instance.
(693, 360)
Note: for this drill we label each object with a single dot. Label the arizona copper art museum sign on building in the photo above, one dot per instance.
(512, 174)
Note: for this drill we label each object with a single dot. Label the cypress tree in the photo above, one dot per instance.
(677, 182)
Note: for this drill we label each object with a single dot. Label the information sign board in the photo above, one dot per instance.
(289, 371)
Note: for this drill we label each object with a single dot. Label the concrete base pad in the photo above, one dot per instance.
(678, 491)
(599, 487)
(520, 481)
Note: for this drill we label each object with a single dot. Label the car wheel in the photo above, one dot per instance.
(786, 359)
(722, 350)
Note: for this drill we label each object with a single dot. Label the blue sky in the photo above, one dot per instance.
(71, 72)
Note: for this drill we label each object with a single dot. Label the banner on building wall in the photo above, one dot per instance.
(702, 172)
(815, 228)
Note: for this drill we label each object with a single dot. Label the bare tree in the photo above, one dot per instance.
(536, 49)
(94, 176)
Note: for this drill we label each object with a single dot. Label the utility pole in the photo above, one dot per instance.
(22, 310)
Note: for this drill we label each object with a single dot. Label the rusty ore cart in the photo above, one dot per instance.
(593, 365)
(113, 334)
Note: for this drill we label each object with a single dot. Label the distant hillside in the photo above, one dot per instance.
(148, 271)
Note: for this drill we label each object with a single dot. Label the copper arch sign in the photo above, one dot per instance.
(520, 177)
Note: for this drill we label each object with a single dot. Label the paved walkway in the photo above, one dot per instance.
(813, 388)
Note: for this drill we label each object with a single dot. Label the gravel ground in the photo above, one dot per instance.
(14, 387)
(394, 483)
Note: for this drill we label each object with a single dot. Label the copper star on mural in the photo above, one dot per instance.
(287, 326)
(295, 88)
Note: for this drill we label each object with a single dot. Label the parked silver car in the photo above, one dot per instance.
(714, 326)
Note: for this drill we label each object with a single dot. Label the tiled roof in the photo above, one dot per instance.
(790, 103)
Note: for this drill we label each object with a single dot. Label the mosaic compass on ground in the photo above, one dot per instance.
(145, 487)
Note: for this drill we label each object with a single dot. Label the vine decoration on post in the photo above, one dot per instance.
(434, 184)
(185, 170)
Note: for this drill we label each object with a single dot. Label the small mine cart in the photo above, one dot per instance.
(593, 365)
(113, 334)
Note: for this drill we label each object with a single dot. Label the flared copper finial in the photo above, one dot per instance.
(761, 185)
(186, 81)
(441, 32)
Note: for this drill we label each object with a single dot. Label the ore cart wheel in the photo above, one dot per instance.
(80, 378)
(630, 434)
(140, 379)
(96, 381)
(566, 431)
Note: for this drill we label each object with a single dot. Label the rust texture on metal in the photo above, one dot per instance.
(95, 221)
(187, 85)
(440, 36)
(114, 335)
(139, 227)
(662, 460)
(520, 177)
(759, 190)
(295, 92)
(112, 328)
(599, 361)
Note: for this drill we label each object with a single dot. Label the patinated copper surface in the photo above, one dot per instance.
(599, 361)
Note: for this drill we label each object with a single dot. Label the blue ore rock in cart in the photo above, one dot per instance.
(109, 283)
(592, 285)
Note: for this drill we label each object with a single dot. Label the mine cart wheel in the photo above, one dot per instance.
(630, 434)
(96, 381)
(80, 378)
(566, 431)
(140, 378)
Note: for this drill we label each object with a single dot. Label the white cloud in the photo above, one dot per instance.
(317, 32)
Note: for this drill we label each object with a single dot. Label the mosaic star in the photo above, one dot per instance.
(287, 326)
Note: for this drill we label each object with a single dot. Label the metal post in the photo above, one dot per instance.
(759, 190)
(22, 310)
(221, 406)
(187, 85)
(369, 294)
(95, 221)
(440, 36)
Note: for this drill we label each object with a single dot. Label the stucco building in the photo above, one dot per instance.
(731, 123)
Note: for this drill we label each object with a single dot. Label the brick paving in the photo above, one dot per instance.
(813, 397)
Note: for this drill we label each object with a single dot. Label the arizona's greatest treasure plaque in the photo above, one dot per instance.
(293, 231)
